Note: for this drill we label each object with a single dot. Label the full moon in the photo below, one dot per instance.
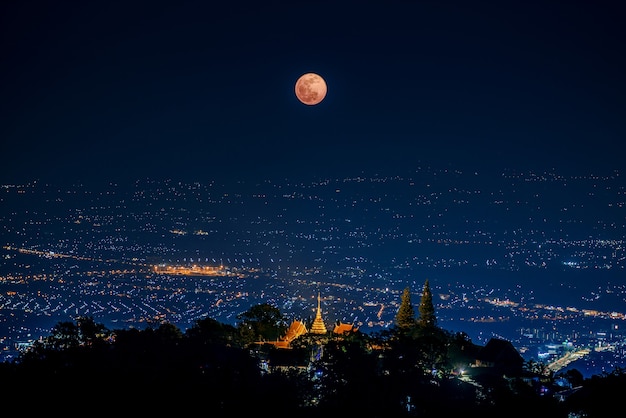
(310, 89)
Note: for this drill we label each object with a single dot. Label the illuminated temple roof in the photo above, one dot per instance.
(296, 329)
(342, 328)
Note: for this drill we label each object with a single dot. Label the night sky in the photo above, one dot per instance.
(94, 90)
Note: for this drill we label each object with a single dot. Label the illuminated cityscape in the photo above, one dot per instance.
(502, 259)
(171, 199)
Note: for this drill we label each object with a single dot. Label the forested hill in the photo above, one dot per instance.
(414, 370)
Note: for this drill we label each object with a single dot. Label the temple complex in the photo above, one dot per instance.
(298, 328)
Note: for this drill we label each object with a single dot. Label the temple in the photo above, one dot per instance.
(318, 326)
(298, 328)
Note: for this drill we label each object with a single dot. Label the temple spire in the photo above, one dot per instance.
(318, 326)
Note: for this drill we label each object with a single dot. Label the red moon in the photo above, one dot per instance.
(310, 89)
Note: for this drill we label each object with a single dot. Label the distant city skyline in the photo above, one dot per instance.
(475, 231)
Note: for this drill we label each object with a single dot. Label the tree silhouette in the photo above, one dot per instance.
(405, 318)
(90, 332)
(208, 331)
(348, 380)
(573, 376)
(65, 335)
(427, 318)
(262, 322)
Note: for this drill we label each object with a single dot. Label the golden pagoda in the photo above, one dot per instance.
(297, 329)
(318, 326)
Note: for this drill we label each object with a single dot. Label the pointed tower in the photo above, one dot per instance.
(318, 326)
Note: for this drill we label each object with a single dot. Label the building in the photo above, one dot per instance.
(318, 326)
(297, 329)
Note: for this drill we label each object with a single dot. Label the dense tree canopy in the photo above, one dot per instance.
(262, 322)
(210, 366)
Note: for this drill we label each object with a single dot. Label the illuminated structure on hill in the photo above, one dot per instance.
(318, 326)
(298, 328)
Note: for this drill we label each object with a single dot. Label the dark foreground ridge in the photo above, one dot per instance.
(264, 365)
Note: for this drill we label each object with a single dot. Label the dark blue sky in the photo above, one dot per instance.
(198, 90)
